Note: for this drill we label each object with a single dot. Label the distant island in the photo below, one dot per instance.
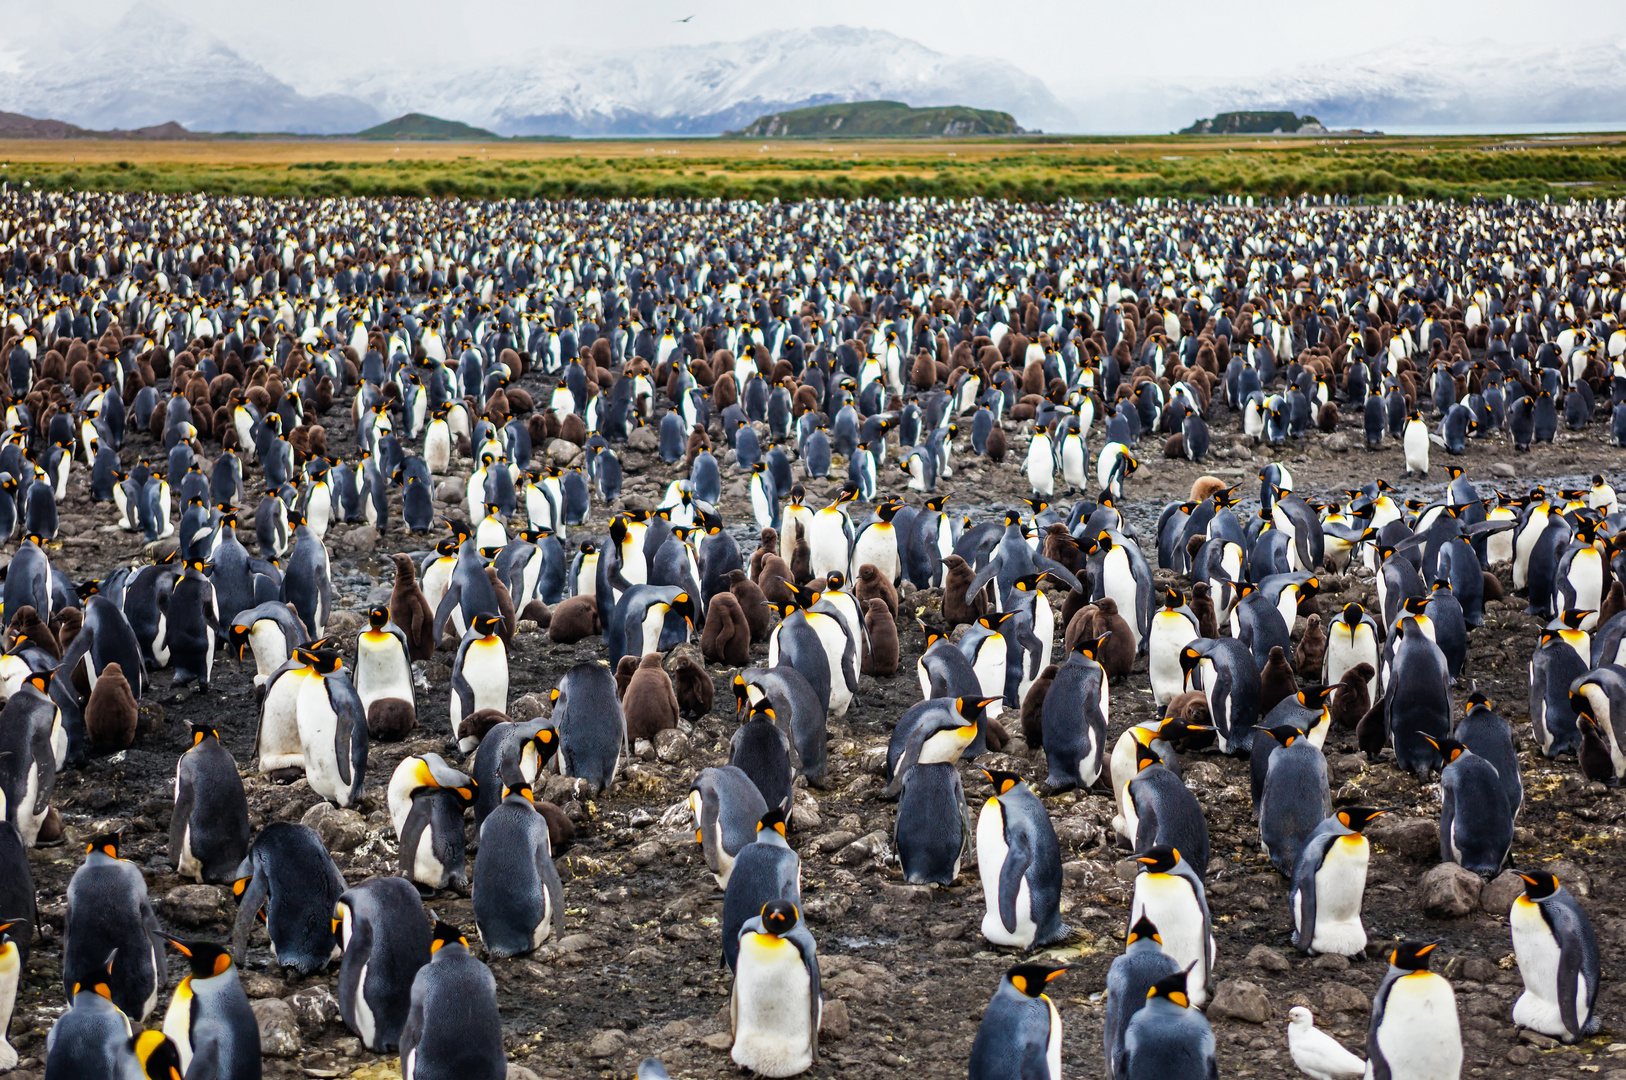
(419, 126)
(871, 119)
(1256, 123)
(18, 126)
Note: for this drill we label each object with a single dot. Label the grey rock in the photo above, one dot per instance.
(1572, 877)
(1503, 470)
(314, 1008)
(1498, 896)
(1337, 442)
(1449, 891)
(529, 707)
(563, 452)
(671, 746)
(607, 1043)
(520, 1072)
(834, 1023)
(1342, 997)
(450, 490)
(1417, 839)
(192, 906)
(340, 830)
(1263, 956)
(1238, 999)
(279, 1028)
(362, 538)
(644, 439)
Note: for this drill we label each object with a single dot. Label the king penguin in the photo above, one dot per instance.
(384, 678)
(1329, 883)
(1019, 861)
(764, 871)
(1414, 1033)
(1020, 1034)
(381, 927)
(209, 1019)
(1169, 892)
(1557, 954)
(1142, 966)
(108, 914)
(453, 1030)
(480, 670)
(427, 799)
(1167, 1037)
(518, 901)
(289, 879)
(208, 830)
(776, 1006)
(728, 811)
(332, 729)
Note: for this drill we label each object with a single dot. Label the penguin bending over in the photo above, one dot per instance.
(427, 799)
(728, 811)
(290, 877)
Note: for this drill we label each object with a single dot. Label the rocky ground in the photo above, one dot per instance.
(636, 970)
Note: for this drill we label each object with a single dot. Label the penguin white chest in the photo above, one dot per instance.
(1586, 579)
(772, 1008)
(653, 622)
(1339, 887)
(1170, 634)
(382, 670)
(992, 852)
(318, 728)
(1118, 582)
(1420, 1036)
(990, 665)
(1415, 443)
(1172, 906)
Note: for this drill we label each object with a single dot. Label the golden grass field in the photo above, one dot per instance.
(1040, 168)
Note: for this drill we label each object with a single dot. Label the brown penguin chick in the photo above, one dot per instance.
(561, 830)
(1190, 707)
(994, 733)
(1276, 681)
(1059, 546)
(1194, 545)
(537, 611)
(957, 577)
(1311, 650)
(1353, 700)
(801, 557)
(1033, 708)
(777, 583)
(1202, 606)
(1076, 598)
(1117, 654)
(505, 605)
(1326, 418)
(1594, 757)
(28, 624)
(872, 586)
(66, 624)
(692, 684)
(726, 637)
(923, 373)
(391, 719)
(573, 429)
(574, 618)
(767, 544)
(111, 713)
(650, 704)
(724, 391)
(752, 602)
(1174, 447)
(1206, 487)
(1371, 734)
(698, 441)
(475, 725)
(623, 674)
(1080, 626)
(409, 609)
(994, 448)
(882, 659)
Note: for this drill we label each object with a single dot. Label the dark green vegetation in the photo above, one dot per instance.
(421, 126)
(1043, 169)
(1250, 123)
(879, 119)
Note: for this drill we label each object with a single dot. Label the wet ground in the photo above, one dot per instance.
(635, 969)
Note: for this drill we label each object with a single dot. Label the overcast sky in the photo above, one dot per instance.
(1074, 45)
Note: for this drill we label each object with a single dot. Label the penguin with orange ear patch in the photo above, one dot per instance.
(384, 677)
(208, 829)
(209, 1020)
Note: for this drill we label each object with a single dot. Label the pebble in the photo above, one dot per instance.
(1263, 956)
(1342, 997)
(834, 1023)
(1498, 896)
(671, 746)
(1331, 962)
(314, 1008)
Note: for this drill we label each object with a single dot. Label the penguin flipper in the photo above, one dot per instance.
(550, 881)
(449, 601)
(1569, 973)
(1301, 897)
(981, 579)
(1057, 570)
(254, 898)
(1018, 857)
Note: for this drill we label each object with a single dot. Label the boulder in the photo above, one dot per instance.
(279, 1028)
(340, 830)
(192, 906)
(1417, 839)
(1238, 999)
(1449, 891)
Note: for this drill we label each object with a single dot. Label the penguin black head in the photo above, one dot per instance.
(762, 710)
(157, 1054)
(446, 934)
(1031, 979)
(1415, 605)
(1448, 747)
(323, 661)
(587, 548)
(1318, 698)
(1002, 781)
(446, 548)
(773, 820)
(1173, 598)
(203, 730)
(205, 958)
(1091, 648)
(806, 597)
(1352, 615)
(835, 581)
(1538, 884)
(1159, 859)
(1143, 928)
(106, 843)
(1477, 700)
(1412, 955)
(1357, 818)
(1189, 658)
(486, 625)
(1171, 988)
(971, 709)
(41, 680)
(378, 616)
(779, 917)
(1145, 757)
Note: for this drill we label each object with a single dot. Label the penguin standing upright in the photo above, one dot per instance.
(930, 833)
(775, 1007)
(1172, 629)
(592, 728)
(332, 729)
(32, 742)
(1167, 1037)
(480, 670)
(108, 914)
(1160, 811)
(290, 879)
(1169, 892)
(1295, 799)
(518, 901)
(1074, 719)
(761, 749)
(1557, 954)
(427, 798)
(1142, 966)
(1476, 822)
(1019, 862)
(1020, 1034)
(92, 1038)
(764, 871)
(208, 829)
(381, 927)
(193, 627)
(453, 1030)
(1414, 1033)
(11, 970)
(209, 1019)
(307, 581)
(1329, 883)
(384, 677)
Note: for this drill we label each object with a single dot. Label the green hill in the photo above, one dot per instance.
(1253, 123)
(417, 126)
(871, 119)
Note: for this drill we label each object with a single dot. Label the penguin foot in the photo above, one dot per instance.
(286, 775)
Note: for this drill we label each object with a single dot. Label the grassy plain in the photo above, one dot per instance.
(1027, 168)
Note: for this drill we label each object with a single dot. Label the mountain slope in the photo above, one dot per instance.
(417, 126)
(879, 118)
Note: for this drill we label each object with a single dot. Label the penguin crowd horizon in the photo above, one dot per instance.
(404, 554)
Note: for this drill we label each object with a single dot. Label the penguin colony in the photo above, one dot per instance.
(183, 361)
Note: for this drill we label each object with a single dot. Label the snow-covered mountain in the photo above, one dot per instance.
(1422, 83)
(693, 90)
(152, 66)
